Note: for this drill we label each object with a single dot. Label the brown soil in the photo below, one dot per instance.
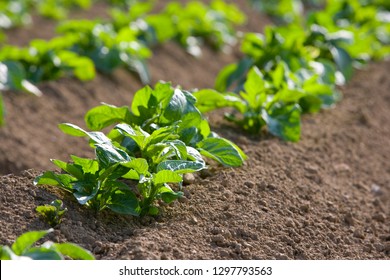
(326, 197)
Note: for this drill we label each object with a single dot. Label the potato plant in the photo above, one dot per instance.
(151, 146)
(298, 67)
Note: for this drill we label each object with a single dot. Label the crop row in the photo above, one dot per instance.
(295, 68)
(123, 41)
(163, 135)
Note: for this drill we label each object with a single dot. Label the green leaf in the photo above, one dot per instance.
(41, 253)
(166, 176)
(181, 166)
(7, 254)
(74, 130)
(284, 122)
(343, 61)
(137, 134)
(141, 100)
(208, 100)
(74, 170)
(24, 242)
(74, 251)
(50, 178)
(87, 165)
(124, 202)
(140, 165)
(233, 73)
(109, 155)
(105, 115)
(222, 151)
(168, 195)
(11, 75)
(84, 191)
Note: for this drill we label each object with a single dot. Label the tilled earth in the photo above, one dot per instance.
(326, 197)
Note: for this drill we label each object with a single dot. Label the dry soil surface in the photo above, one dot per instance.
(326, 197)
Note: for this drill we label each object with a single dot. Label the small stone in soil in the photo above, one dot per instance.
(358, 234)
(380, 217)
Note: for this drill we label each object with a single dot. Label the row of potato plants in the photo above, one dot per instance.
(17, 13)
(294, 69)
(164, 135)
(123, 41)
(156, 140)
(283, 75)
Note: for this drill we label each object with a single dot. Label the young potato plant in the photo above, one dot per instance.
(152, 161)
(165, 106)
(108, 48)
(23, 249)
(52, 213)
(45, 60)
(149, 149)
(260, 104)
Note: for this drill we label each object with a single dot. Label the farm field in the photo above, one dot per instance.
(324, 197)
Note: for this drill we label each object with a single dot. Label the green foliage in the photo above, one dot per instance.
(108, 48)
(261, 104)
(285, 11)
(14, 13)
(52, 213)
(153, 143)
(164, 106)
(190, 25)
(299, 66)
(23, 248)
(43, 61)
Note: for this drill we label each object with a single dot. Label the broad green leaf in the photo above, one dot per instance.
(221, 150)
(24, 242)
(194, 154)
(109, 155)
(140, 165)
(343, 61)
(124, 202)
(7, 254)
(74, 251)
(181, 166)
(181, 103)
(208, 100)
(74, 130)
(254, 85)
(166, 176)
(105, 115)
(233, 73)
(74, 170)
(11, 75)
(141, 100)
(50, 178)
(41, 253)
(85, 190)
(168, 195)
(284, 122)
(136, 133)
(162, 134)
(87, 165)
